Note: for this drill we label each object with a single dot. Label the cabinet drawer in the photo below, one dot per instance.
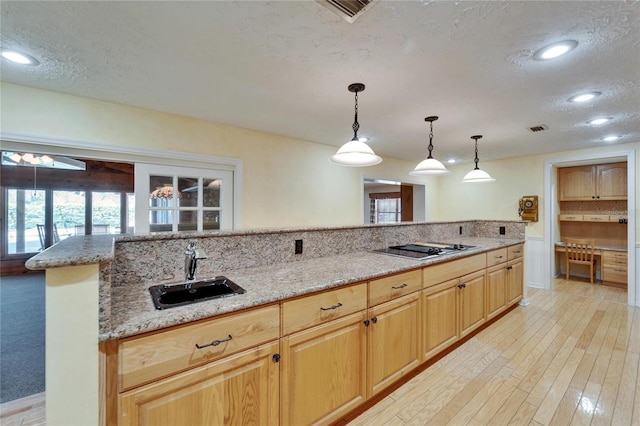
(495, 257)
(515, 252)
(146, 358)
(449, 270)
(614, 257)
(596, 218)
(571, 217)
(616, 274)
(322, 307)
(394, 286)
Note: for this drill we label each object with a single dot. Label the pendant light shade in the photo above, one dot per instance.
(430, 166)
(477, 175)
(355, 153)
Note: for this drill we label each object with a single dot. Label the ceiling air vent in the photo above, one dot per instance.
(348, 9)
(539, 128)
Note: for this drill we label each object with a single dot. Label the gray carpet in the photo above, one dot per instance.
(22, 336)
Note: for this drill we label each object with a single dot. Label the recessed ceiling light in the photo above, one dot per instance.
(19, 57)
(599, 121)
(554, 50)
(584, 97)
(611, 138)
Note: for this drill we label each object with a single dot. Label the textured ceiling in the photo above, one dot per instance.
(284, 66)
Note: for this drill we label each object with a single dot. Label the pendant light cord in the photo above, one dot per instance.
(430, 140)
(355, 126)
(476, 160)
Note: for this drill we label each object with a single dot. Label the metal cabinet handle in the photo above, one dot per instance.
(366, 323)
(374, 320)
(331, 307)
(462, 286)
(214, 343)
(499, 257)
(399, 287)
(509, 268)
(517, 251)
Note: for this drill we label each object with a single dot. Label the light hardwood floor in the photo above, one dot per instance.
(570, 357)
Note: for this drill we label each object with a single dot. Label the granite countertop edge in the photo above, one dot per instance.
(133, 312)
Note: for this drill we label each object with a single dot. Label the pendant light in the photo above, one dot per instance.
(430, 166)
(355, 153)
(477, 175)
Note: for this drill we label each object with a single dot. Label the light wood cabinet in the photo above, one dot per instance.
(496, 289)
(142, 359)
(440, 317)
(594, 182)
(614, 266)
(308, 311)
(515, 281)
(452, 310)
(323, 371)
(391, 287)
(311, 359)
(237, 390)
(393, 341)
(471, 302)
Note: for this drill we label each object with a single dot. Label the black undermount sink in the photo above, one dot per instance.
(191, 292)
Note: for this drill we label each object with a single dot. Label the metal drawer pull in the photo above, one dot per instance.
(399, 286)
(499, 257)
(332, 307)
(214, 343)
(517, 251)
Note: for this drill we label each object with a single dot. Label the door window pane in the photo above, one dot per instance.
(162, 192)
(188, 220)
(105, 215)
(211, 195)
(188, 195)
(68, 213)
(211, 219)
(25, 210)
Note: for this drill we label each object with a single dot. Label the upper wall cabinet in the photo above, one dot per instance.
(596, 182)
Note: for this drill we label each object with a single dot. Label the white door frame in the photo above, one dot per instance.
(10, 141)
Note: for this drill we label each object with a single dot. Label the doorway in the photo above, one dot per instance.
(388, 201)
(552, 209)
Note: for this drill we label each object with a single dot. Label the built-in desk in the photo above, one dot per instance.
(611, 264)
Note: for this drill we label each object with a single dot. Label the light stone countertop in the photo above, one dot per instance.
(133, 312)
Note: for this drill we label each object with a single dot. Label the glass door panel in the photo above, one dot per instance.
(105, 213)
(68, 214)
(25, 221)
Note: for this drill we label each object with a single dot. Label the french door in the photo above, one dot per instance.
(175, 199)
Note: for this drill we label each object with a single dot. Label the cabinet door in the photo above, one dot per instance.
(393, 341)
(440, 317)
(238, 390)
(576, 183)
(612, 181)
(472, 311)
(515, 278)
(496, 290)
(323, 371)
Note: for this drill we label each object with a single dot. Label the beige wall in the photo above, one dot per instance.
(286, 182)
(515, 177)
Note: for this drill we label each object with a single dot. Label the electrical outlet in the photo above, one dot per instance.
(298, 247)
(503, 230)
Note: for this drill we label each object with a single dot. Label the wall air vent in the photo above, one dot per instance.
(538, 128)
(350, 10)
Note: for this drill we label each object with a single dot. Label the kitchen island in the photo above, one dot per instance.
(263, 263)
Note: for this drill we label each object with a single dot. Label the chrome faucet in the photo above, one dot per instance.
(191, 262)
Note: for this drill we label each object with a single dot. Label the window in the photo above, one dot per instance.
(174, 199)
(385, 207)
